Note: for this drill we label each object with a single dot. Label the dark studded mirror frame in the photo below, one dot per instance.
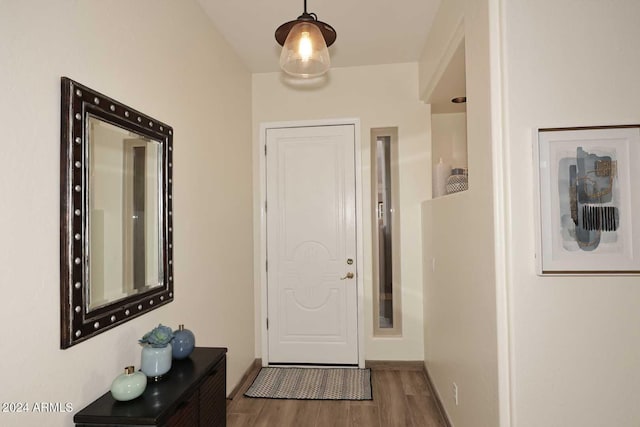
(78, 323)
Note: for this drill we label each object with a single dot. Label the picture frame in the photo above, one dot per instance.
(588, 200)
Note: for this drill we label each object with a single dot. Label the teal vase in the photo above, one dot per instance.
(183, 343)
(129, 385)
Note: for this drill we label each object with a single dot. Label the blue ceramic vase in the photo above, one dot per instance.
(183, 343)
(129, 385)
(156, 361)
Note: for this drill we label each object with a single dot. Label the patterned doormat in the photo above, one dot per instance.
(312, 383)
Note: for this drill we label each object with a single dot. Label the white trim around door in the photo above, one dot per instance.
(261, 274)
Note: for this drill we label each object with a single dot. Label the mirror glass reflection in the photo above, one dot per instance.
(125, 206)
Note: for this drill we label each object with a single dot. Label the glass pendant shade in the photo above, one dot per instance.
(305, 53)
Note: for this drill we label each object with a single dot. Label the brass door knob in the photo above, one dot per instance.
(348, 276)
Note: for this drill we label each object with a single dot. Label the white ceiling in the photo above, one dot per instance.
(369, 31)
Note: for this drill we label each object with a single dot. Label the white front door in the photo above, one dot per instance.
(311, 245)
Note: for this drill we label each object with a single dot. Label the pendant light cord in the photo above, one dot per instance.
(306, 16)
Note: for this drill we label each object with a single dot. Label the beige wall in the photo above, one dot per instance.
(448, 148)
(164, 58)
(575, 340)
(380, 96)
(461, 343)
(449, 139)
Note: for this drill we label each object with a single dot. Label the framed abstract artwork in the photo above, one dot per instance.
(588, 182)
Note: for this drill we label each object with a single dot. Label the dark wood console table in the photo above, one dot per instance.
(193, 394)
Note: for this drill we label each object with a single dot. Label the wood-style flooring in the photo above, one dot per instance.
(401, 398)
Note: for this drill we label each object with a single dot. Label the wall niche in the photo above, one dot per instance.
(448, 101)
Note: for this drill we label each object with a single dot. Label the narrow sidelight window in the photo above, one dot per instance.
(385, 231)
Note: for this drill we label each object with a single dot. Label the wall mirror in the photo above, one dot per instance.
(116, 228)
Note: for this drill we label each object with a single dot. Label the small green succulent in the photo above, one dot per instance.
(159, 336)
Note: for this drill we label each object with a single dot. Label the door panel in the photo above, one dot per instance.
(311, 234)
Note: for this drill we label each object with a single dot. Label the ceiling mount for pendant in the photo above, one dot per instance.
(304, 44)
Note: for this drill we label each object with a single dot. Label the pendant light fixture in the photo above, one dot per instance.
(304, 45)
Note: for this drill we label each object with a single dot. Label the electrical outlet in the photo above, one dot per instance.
(455, 393)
